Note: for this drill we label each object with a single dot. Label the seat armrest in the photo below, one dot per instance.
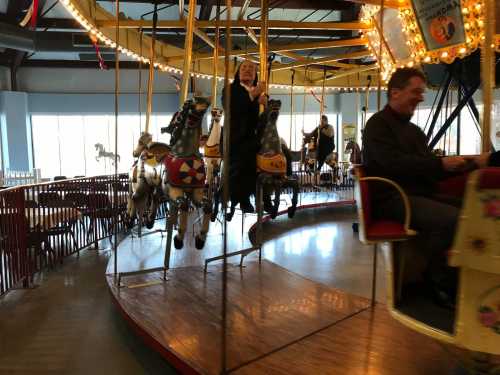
(404, 197)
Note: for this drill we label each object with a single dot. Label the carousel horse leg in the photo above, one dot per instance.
(207, 210)
(180, 204)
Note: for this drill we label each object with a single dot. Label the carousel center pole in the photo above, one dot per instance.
(488, 73)
(188, 53)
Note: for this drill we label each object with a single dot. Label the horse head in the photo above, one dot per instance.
(142, 143)
(214, 133)
(99, 147)
(187, 131)
(270, 158)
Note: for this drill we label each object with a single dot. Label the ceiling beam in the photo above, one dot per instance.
(324, 60)
(280, 48)
(347, 72)
(290, 4)
(273, 24)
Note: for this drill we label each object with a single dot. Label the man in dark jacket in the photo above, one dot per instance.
(396, 149)
(326, 142)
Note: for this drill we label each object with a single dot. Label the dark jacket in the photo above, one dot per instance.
(395, 148)
(243, 141)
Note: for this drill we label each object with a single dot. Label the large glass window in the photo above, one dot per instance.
(84, 145)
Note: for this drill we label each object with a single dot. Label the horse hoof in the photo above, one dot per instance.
(178, 243)
(274, 214)
(229, 215)
(291, 212)
(355, 227)
(199, 242)
(150, 224)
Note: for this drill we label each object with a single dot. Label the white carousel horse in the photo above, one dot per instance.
(184, 180)
(145, 180)
(213, 159)
(102, 153)
(271, 161)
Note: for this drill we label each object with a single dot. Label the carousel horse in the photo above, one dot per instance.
(184, 180)
(271, 162)
(102, 153)
(213, 161)
(145, 188)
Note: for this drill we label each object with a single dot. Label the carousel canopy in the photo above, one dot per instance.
(336, 43)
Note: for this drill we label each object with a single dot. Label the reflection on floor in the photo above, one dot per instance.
(288, 315)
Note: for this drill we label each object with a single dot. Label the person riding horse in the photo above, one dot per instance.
(326, 141)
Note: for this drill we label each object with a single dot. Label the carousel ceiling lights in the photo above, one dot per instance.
(92, 29)
(473, 16)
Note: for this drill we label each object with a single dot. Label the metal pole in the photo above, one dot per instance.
(216, 59)
(225, 179)
(381, 36)
(115, 185)
(188, 52)
(151, 71)
(488, 73)
(291, 109)
(263, 50)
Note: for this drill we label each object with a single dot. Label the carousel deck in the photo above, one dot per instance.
(278, 320)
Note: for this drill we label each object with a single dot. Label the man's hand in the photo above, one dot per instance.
(453, 163)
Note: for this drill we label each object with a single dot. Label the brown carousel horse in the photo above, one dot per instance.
(184, 180)
(271, 163)
(145, 188)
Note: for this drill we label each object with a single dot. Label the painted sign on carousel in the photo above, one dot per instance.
(440, 22)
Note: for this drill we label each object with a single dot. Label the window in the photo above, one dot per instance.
(84, 145)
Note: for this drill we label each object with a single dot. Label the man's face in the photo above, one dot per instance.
(406, 100)
(247, 72)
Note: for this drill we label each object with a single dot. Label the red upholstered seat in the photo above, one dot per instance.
(385, 230)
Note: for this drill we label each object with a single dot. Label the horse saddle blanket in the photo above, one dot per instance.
(185, 172)
(271, 163)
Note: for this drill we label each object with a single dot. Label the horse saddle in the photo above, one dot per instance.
(185, 172)
(155, 153)
(271, 163)
(212, 151)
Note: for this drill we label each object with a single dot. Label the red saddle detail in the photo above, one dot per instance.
(185, 172)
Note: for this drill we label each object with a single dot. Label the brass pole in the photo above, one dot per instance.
(141, 33)
(322, 104)
(263, 50)
(381, 35)
(225, 184)
(188, 52)
(117, 91)
(151, 71)
(488, 73)
(216, 58)
(291, 109)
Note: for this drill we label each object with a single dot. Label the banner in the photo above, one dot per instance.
(440, 22)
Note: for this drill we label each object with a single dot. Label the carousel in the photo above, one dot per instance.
(216, 302)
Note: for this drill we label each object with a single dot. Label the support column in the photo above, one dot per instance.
(15, 131)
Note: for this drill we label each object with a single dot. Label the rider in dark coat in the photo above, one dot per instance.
(244, 109)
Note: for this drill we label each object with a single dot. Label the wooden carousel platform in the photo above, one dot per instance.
(277, 321)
